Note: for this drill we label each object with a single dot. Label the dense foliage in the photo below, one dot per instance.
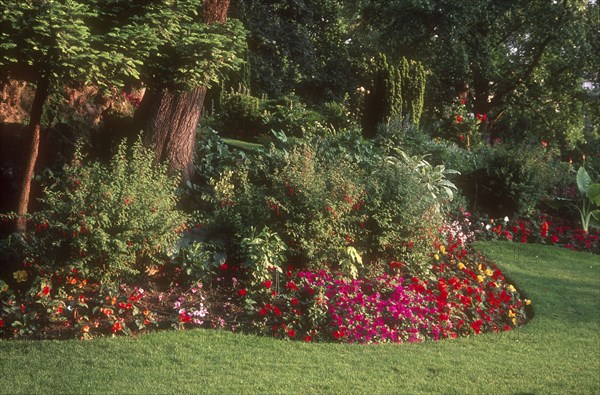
(105, 221)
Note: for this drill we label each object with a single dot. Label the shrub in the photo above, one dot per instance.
(332, 200)
(105, 221)
(240, 114)
(509, 180)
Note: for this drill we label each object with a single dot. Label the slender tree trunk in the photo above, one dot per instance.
(41, 94)
(169, 119)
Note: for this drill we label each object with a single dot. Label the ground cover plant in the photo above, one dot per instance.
(562, 337)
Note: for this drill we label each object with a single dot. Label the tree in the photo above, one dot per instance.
(196, 45)
(496, 48)
(300, 46)
(50, 44)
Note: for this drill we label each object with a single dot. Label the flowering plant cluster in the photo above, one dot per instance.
(544, 229)
(465, 295)
(68, 304)
(463, 126)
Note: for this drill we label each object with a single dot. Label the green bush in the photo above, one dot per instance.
(240, 114)
(332, 200)
(106, 221)
(512, 180)
(291, 116)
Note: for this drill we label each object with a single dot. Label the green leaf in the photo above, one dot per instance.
(583, 181)
(594, 194)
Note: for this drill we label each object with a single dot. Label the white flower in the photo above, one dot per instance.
(506, 219)
(488, 227)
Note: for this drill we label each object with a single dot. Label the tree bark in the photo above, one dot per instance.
(41, 94)
(169, 119)
(170, 127)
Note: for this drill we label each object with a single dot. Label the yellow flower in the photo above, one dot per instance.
(527, 302)
(480, 267)
(488, 272)
(437, 257)
(20, 276)
(443, 249)
(511, 313)
(514, 321)
(461, 265)
(480, 278)
(511, 288)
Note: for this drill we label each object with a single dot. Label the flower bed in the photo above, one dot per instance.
(465, 295)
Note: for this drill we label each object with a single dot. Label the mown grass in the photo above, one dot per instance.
(557, 352)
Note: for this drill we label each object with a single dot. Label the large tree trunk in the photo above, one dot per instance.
(169, 119)
(41, 94)
(170, 126)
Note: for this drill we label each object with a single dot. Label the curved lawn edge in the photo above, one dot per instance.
(556, 352)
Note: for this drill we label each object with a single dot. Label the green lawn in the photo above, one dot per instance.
(557, 352)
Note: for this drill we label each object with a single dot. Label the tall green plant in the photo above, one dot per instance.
(590, 197)
(397, 91)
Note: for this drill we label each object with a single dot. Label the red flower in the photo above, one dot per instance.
(263, 311)
(184, 317)
(292, 285)
(277, 311)
(459, 118)
(46, 290)
(544, 143)
(544, 229)
(477, 326)
(268, 283)
(308, 338)
(223, 266)
(294, 301)
(242, 292)
(291, 333)
(116, 327)
(1, 323)
(554, 239)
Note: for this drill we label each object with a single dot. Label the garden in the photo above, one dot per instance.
(192, 197)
